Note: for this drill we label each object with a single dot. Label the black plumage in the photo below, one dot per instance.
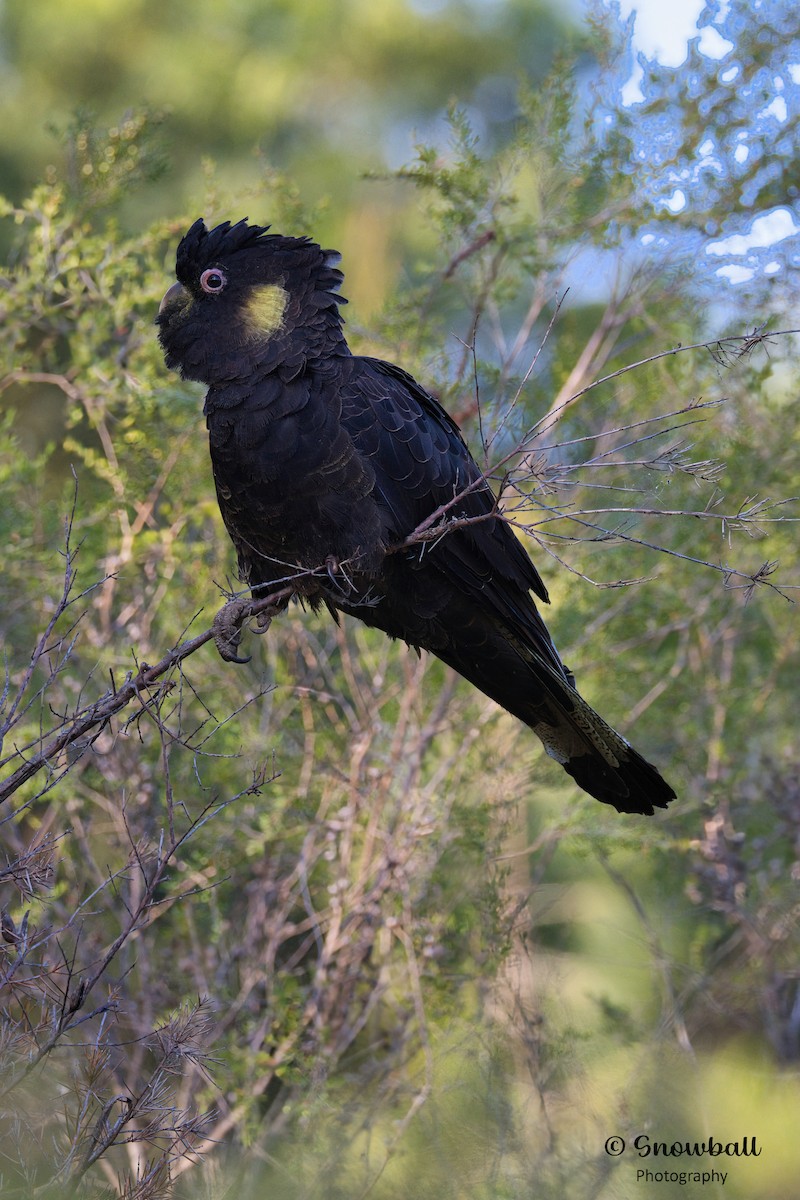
(324, 459)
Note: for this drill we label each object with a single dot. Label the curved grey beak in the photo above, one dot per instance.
(175, 294)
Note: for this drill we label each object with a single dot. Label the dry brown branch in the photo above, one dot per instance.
(82, 727)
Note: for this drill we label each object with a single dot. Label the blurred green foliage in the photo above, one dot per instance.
(713, 147)
(320, 91)
(431, 968)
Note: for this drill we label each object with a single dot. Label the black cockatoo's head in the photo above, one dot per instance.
(248, 302)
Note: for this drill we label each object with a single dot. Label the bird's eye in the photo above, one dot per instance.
(213, 280)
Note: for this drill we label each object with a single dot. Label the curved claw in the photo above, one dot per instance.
(338, 576)
(231, 658)
(263, 622)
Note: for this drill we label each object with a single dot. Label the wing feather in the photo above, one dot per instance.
(421, 462)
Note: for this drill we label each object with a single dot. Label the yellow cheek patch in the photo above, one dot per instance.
(262, 312)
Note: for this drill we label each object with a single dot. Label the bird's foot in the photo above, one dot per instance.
(228, 629)
(263, 621)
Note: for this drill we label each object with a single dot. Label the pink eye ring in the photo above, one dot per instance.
(213, 280)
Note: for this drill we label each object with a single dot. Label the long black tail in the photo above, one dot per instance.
(531, 687)
(602, 762)
(515, 662)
